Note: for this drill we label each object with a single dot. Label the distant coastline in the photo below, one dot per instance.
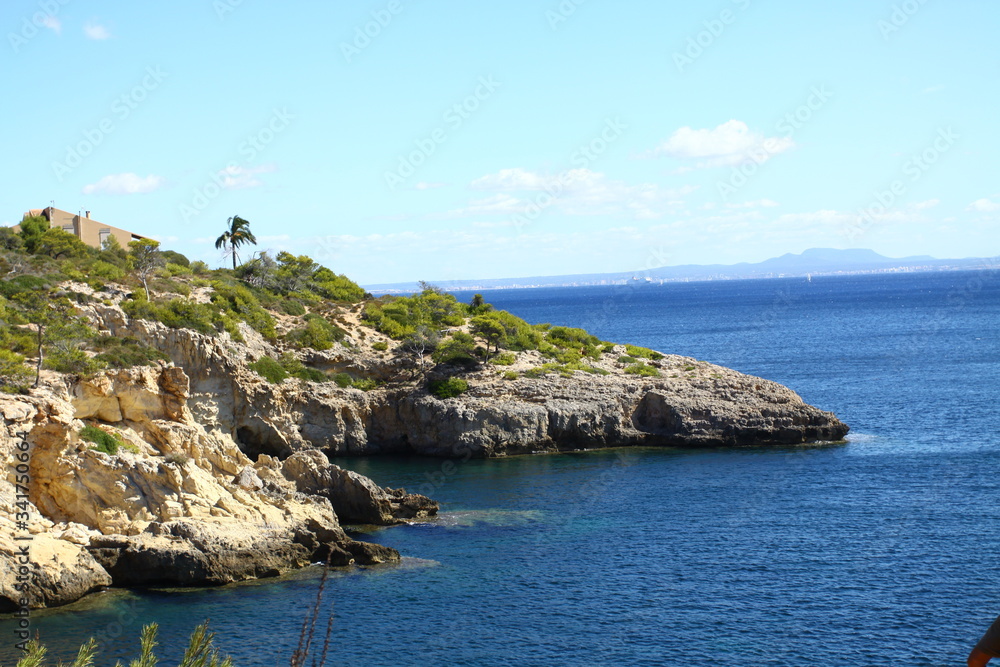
(814, 262)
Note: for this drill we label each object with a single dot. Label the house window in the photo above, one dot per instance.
(104, 234)
(69, 228)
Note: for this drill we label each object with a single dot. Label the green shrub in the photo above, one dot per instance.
(72, 360)
(627, 360)
(175, 258)
(510, 375)
(199, 268)
(459, 349)
(642, 352)
(296, 368)
(399, 316)
(177, 269)
(504, 359)
(318, 334)
(364, 384)
(380, 346)
(565, 370)
(126, 352)
(103, 441)
(608, 348)
(643, 370)
(270, 369)
(343, 380)
(9, 288)
(293, 307)
(106, 270)
(14, 375)
(448, 388)
(242, 303)
(176, 458)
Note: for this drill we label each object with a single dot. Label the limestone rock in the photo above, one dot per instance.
(355, 498)
(691, 404)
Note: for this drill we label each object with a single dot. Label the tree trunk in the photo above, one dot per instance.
(38, 366)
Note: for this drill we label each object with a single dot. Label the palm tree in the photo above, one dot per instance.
(238, 234)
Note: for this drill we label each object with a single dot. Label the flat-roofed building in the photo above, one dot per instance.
(91, 232)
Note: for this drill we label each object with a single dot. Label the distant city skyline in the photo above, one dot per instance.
(397, 141)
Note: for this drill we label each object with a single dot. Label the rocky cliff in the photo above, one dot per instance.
(175, 504)
(223, 475)
(690, 404)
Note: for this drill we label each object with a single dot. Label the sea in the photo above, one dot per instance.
(881, 550)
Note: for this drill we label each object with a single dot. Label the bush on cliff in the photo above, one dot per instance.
(448, 387)
(14, 375)
(642, 352)
(459, 349)
(643, 370)
(318, 333)
(400, 316)
(126, 352)
(270, 369)
(103, 441)
(277, 371)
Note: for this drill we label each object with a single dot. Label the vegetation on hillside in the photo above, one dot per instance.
(291, 301)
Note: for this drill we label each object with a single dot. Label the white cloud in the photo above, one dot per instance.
(758, 203)
(984, 206)
(240, 178)
(52, 23)
(124, 184)
(924, 205)
(95, 31)
(574, 192)
(728, 144)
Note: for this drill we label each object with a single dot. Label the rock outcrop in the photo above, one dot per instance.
(223, 476)
(175, 504)
(690, 404)
(355, 498)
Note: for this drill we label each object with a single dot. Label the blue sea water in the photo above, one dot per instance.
(881, 551)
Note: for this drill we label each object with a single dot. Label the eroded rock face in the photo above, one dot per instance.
(691, 404)
(175, 505)
(356, 499)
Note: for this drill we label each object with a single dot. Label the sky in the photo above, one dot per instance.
(403, 140)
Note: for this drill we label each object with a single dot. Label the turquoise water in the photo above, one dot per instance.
(884, 550)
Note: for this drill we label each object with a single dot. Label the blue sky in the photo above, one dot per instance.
(399, 140)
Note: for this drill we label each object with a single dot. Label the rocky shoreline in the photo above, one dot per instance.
(225, 476)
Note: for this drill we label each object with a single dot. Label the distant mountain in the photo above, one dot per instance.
(815, 261)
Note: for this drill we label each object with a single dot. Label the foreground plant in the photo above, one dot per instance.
(200, 651)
